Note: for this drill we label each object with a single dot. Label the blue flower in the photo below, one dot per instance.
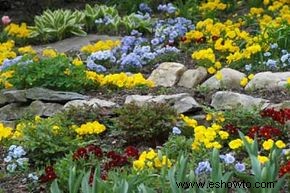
(155, 41)
(267, 54)
(240, 167)
(274, 46)
(203, 167)
(7, 159)
(11, 167)
(248, 67)
(271, 63)
(176, 131)
(143, 7)
(228, 158)
(168, 8)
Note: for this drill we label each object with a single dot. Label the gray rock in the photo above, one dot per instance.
(167, 74)
(12, 111)
(230, 80)
(74, 43)
(11, 124)
(230, 100)
(94, 102)
(44, 109)
(182, 102)
(12, 96)
(50, 95)
(192, 77)
(282, 105)
(268, 80)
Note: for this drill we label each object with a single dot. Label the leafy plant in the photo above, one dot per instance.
(269, 172)
(54, 73)
(150, 123)
(57, 25)
(133, 21)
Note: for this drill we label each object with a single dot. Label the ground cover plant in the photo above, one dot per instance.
(149, 146)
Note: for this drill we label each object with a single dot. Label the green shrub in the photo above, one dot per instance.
(150, 123)
(54, 73)
(46, 140)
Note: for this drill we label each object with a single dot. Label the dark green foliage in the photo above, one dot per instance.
(150, 123)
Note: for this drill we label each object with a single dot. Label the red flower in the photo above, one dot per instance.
(231, 129)
(269, 132)
(183, 39)
(132, 152)
(253, 131)
(95, 150)
(80, 153)
(284, 169)
(49, 175)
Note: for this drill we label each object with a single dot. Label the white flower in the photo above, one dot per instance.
(33, 176)
(21, 161)
(18, 152)
(12, 147)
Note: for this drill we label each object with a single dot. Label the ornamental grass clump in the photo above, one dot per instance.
(150, 123)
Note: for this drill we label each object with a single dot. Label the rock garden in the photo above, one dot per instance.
(146, 97)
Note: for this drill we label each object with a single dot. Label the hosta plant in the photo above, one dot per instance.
(58, 24)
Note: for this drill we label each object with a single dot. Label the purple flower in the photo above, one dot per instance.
(240, 167)
(271, 63)
(203, 167)
(155, 41)
(168, 8)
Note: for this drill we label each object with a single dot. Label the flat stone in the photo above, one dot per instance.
(50, 95)
(167, 74)
(230, 100)
(230, 80)
(11, 96)
(182, 102)
(268, 80)
(192, 77)
(74, 43)
(44, 109)
(12, 112)
(94, 102)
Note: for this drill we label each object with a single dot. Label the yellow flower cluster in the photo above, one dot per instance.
(19, 31)
(206, 136)
(121, 80)
(212, 5)
(77, 62)
(267, 145)
(5, 132)
(90, 128)
(151, 160)
(26, 50)
(244, 81)
(206, 54)
(100, 46)
(3, 79)
(6, 51)
(216, 117)
(49, 52)
(263, 159)
(237, 143)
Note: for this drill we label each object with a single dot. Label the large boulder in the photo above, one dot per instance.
(182, 102)
(268, 80)
(167, 74)
(230, 100)
(230, 80)
(192, 77)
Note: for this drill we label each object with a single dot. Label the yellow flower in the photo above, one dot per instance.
(151, 154)
(100, 46)
(208, 117)
(90, 128)
(280, 144)
(267, 145)
(77, 62)
(211, 70)
(218, 65)
(5, 132)
(218, 75)
(138, 164)
(288, 80)
(251, 76)
(189, 122)
(37, 118)
(235, 144)
(26, 50)
(19, 31)
(244, 81)
(249, 140)
(164, 162)
(50, 53)
(263, 159)
(223, 134)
